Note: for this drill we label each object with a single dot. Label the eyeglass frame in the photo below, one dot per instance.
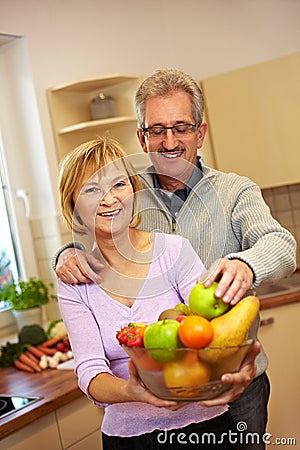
(164, 129)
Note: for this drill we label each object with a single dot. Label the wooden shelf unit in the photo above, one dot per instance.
(69, 106)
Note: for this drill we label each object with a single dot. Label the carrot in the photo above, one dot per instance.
(32, 357)
(24, 359)
(47, 351)
(21, 366)
(54, 341)
(36, 352)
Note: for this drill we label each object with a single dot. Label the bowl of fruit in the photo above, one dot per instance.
(183, 355)
(187, 374)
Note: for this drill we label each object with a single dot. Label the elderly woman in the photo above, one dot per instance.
(143, 273)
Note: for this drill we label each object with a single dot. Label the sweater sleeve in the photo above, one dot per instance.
(267, 247)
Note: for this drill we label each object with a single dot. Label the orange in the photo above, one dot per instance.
(187, 371)
(195, 331)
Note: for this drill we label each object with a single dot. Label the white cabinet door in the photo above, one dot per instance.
(42, 434)
(280, 338)
(78, 420)
(253, 117)
(91, 442)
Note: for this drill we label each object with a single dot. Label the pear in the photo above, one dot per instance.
(230, 363)
(231, 329)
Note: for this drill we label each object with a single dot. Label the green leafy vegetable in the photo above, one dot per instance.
(32, 334)
(10, 352)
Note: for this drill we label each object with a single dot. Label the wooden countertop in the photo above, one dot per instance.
(57, 387)
(279, 300)
(286, 291)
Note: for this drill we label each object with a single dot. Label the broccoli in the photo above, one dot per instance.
(32, 334)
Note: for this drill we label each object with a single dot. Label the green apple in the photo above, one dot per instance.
(161, 338)
(202, 301)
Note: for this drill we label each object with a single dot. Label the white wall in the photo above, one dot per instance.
(73, 39)
(24, 160)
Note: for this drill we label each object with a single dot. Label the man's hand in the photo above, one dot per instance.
(239, 380)
(234, 279)
(75, 266)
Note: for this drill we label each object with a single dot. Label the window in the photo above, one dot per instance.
(9, 260)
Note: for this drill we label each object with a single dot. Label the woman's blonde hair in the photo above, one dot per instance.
(89, 157)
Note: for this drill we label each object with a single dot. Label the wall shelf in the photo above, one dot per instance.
(96, 124)
(69, 106)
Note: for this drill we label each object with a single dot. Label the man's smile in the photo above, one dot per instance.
(171, 154)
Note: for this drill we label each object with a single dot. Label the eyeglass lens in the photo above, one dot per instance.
(177, 130)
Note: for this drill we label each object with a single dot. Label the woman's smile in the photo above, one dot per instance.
(110, 214)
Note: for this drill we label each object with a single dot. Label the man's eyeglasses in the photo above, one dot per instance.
(179, 130)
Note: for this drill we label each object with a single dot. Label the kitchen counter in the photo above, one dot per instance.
(57, 387)
(279, 300)
(280, 293)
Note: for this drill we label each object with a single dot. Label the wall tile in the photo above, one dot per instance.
(294, 191)
(49, 234)
(296, 216)
(297, 234)
(285, 218)
(48, 226)
(268, 197)
(281, 199)
(46, 272)
(284, 203)
(46, 246)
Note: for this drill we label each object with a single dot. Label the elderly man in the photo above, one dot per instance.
(223, 215)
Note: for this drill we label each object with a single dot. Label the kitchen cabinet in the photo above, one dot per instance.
(206, 151)
(40, 434)
(280, 339)
(75, 426)
(72, 123)
(78, 422)
(253, 118)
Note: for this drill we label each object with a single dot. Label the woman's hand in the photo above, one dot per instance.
(75, 266)
(239, 380)
(138, 391)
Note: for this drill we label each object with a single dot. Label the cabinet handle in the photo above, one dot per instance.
(268, 321)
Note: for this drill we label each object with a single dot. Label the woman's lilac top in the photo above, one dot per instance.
(92, 319)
